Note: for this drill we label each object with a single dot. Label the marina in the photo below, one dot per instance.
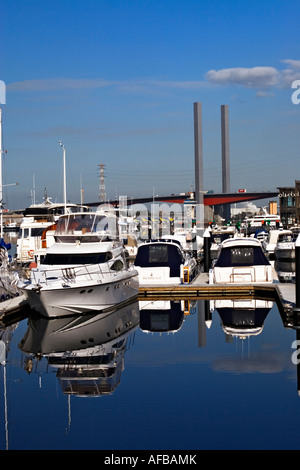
(176, 323)
(172, 359)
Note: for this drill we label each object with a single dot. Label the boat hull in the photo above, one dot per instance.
(71, 299)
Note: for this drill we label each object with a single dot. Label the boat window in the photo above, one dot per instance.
(24, 233)
(241, 256)
(37, 232)
(86, 223)
(117, 265)
(158, 253)
(76, 258)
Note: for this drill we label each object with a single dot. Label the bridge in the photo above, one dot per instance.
(210, 199)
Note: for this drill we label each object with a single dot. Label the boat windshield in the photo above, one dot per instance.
(77, 258)
(241, 256)
(86, 223)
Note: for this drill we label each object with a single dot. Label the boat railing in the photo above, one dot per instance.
(71, 273)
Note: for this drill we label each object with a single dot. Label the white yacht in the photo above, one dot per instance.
(241, 260)
(85, 269)
(164, 262)
(271, 221)
(36, 232)
(285, 246)
(217, 236)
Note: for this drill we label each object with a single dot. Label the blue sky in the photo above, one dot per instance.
(116, 82)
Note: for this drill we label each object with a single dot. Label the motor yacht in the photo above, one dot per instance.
(36, 231)
(271, 221)
(285, 246)
(164, 262)
(241, 260)
(85, 269)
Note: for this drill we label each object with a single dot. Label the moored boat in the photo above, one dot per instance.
(285, 246)
(164, 262)
(241, 260)
(85, 269)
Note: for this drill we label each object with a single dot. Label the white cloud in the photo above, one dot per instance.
(255, 77)
(54, 84)
(259, 78)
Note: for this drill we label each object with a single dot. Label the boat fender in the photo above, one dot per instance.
(186, 275)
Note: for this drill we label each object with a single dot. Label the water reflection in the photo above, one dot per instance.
(242, 318)
(88, 351)
(164, 316)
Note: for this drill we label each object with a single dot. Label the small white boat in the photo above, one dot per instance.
(270, 241)
(190, 241)
(164, 262)
(85, 269)
(285, 246)
(217, 236)
(241, 260)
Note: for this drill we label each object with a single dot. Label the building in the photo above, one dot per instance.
(289, 204)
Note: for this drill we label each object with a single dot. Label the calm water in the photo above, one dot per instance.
(193, 388)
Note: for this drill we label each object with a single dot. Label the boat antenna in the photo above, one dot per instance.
(65, 185)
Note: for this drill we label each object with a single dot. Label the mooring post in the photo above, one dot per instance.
(206, 247)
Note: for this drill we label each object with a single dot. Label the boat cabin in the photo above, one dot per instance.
(242, 260)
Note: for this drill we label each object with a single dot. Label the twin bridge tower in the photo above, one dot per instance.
(198, 142)
(199, 188)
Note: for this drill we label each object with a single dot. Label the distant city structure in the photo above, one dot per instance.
(102, 193)
(289, 204)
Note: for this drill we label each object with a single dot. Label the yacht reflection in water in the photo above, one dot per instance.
(163, 316)
(242, 318)
(88, 350)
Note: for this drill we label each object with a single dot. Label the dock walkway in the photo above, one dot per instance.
(282, 293)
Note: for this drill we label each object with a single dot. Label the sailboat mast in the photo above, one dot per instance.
(1, 186)
(64, 168)
(65, 182)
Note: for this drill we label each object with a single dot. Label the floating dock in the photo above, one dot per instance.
(199, 288)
